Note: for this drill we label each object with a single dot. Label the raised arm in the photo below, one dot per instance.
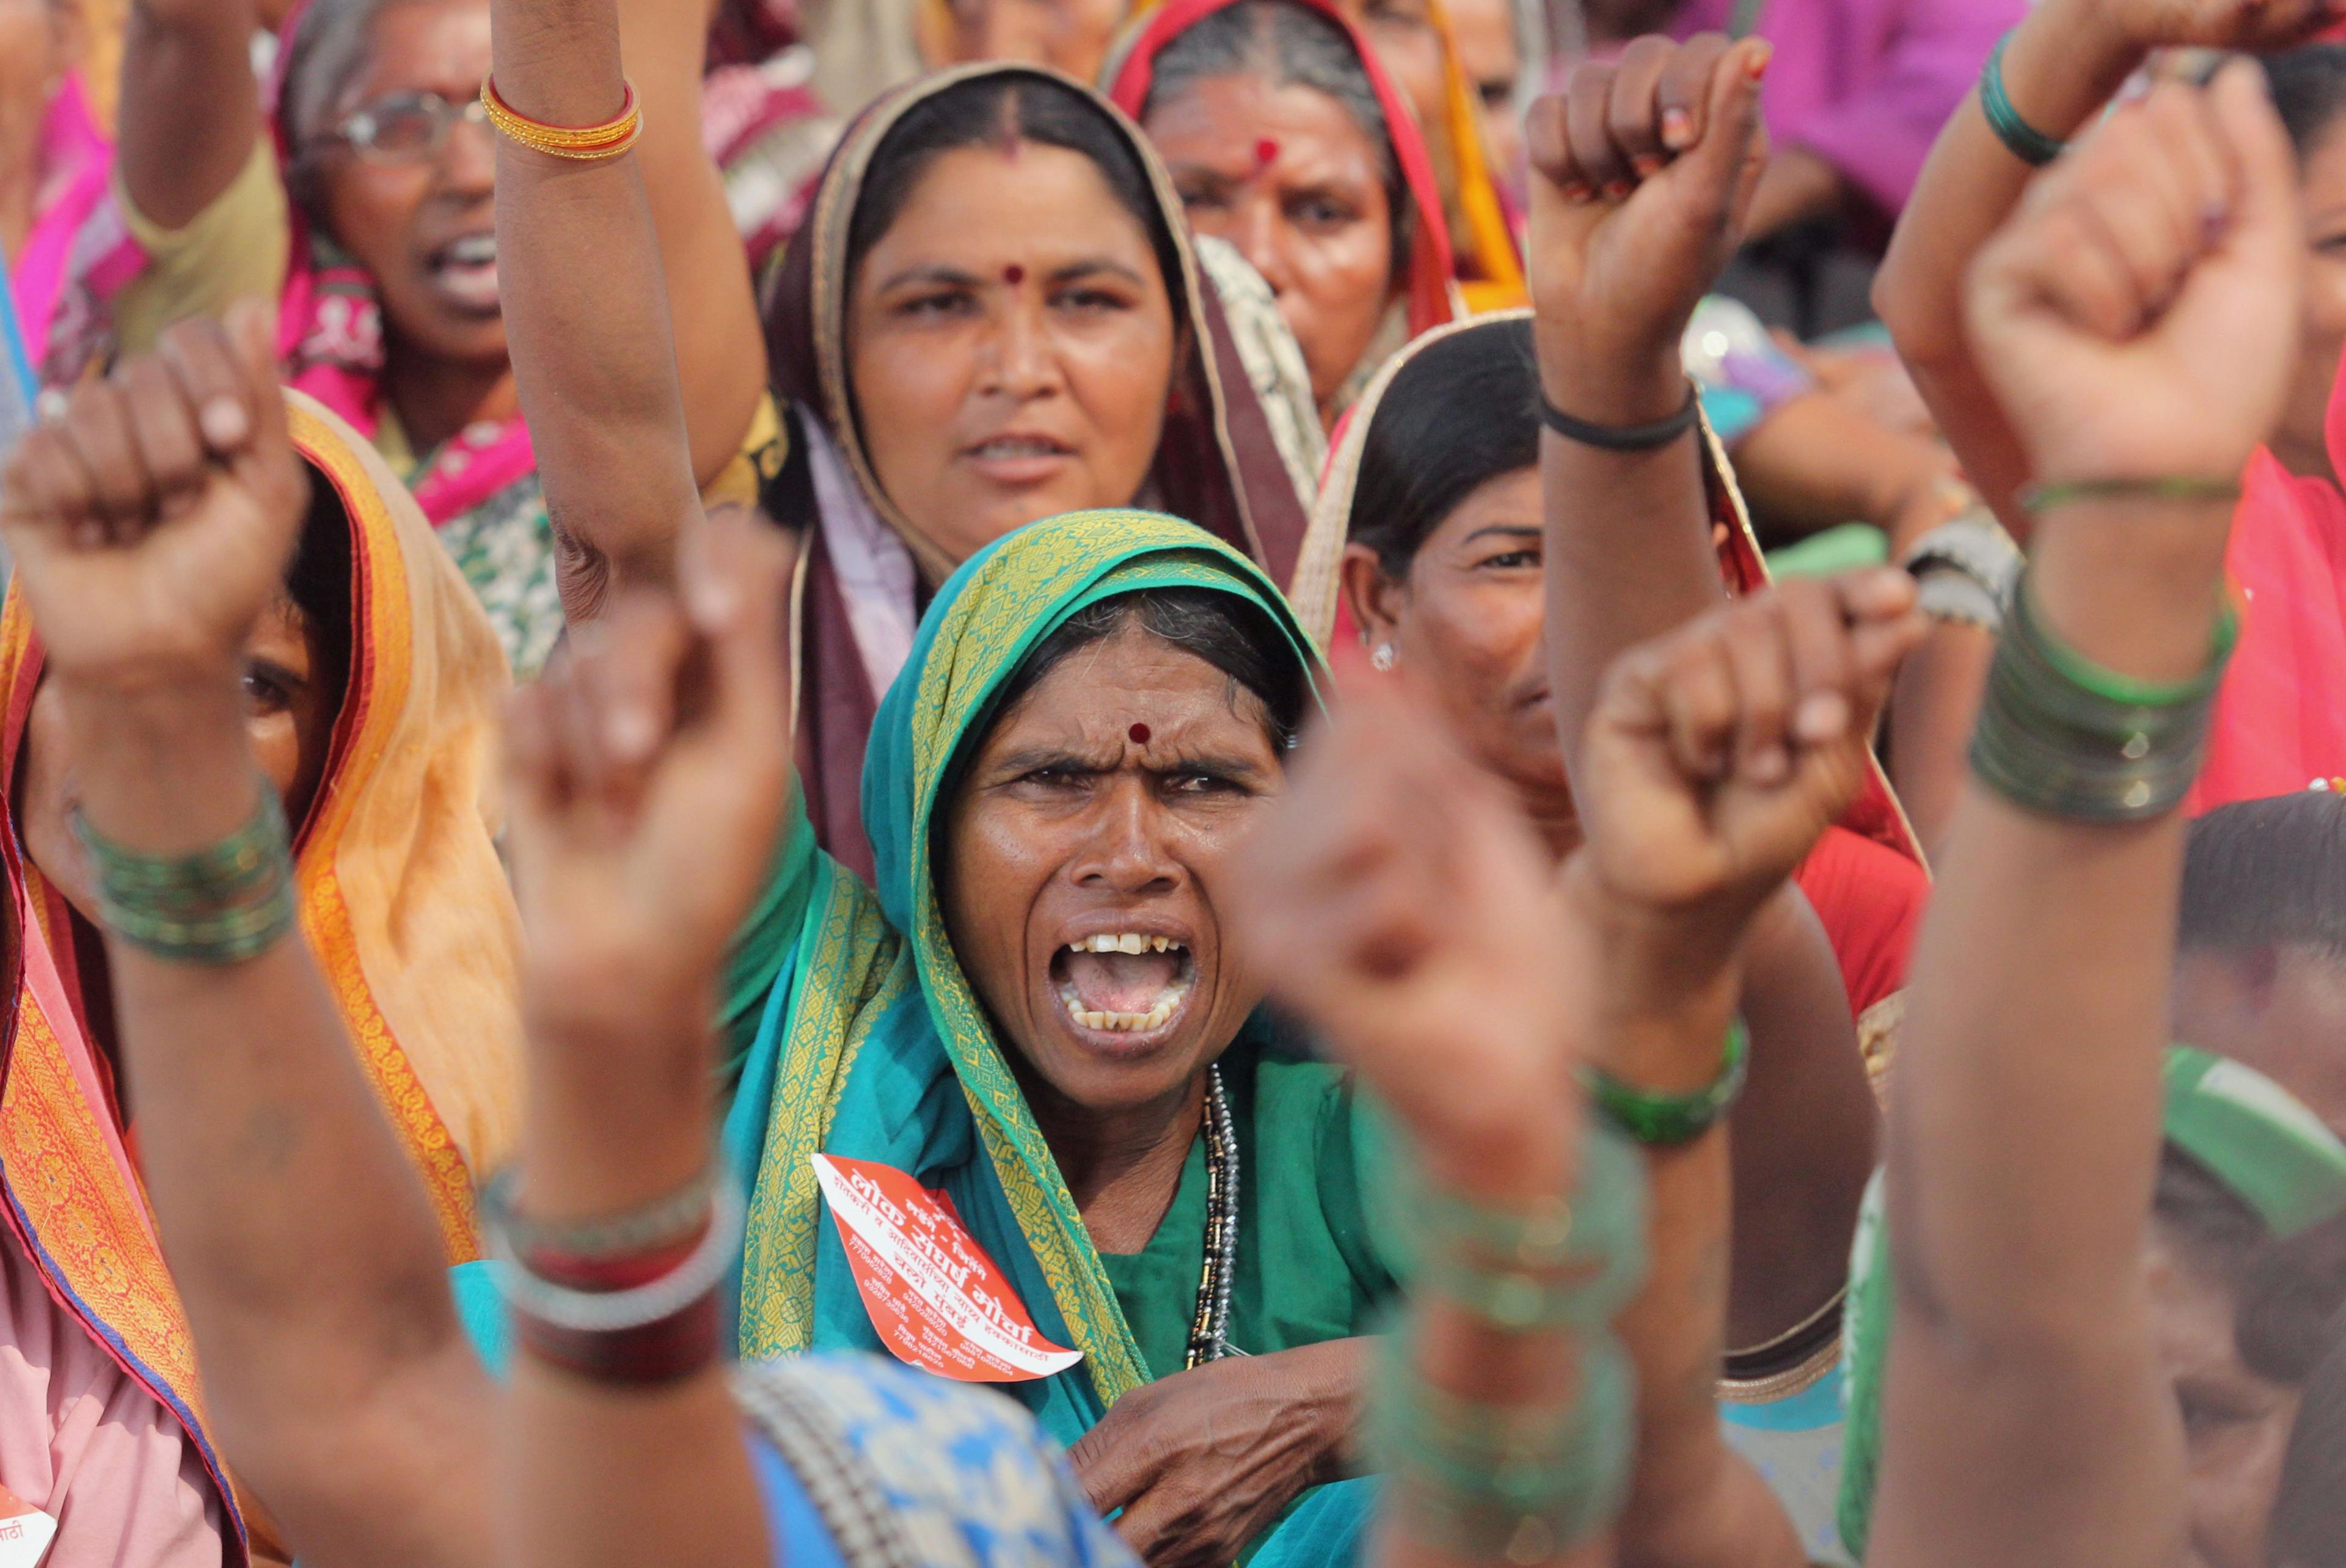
(2061, 66)
(299, 1236)
(1643, 170)
(190, 113)
(1687, 845)
(2138, 322)
(629, 317)
(1404, 907)
(648, 772)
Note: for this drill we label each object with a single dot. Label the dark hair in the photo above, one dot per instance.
(2308, 1519)
(327, 49)
(1292, 46)
(1462, 413)
(2308, 90)
(319, 583)
(987, 111)
(1220, 628)
(2267, 874)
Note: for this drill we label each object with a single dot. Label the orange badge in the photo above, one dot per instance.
(25, 1532)
(937, 1300)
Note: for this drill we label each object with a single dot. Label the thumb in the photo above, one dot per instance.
(1724, 161)
(266, 464)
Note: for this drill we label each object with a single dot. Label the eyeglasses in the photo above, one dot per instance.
(407, 127)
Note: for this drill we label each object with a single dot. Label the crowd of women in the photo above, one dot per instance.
(1015, 782)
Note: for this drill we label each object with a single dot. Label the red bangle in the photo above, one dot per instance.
(584, 1271)
(674, 1346)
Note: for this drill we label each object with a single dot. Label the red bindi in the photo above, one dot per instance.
(1014, 274)
(1265, 152)
(1139, 733)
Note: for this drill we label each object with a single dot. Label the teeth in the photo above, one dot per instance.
(473, 250)
(1121, 1022)
(1127, 941)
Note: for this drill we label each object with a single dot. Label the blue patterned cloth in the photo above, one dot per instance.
(865, 1461)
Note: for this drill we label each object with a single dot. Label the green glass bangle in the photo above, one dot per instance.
(1667, 1119)
(2180, 488)
(2125, 691)
(1558, 1264)
(222, 904)
(2026, 143)
(1517, 1483)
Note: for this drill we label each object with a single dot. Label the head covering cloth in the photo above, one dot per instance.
(401, 900)
(857, 589)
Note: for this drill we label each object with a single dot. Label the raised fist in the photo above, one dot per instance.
(2139, 316)
(1398, 899)
(647, 770)
(1644, 169)
(152, 521)
(1718, 754)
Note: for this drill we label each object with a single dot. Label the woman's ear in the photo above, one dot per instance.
(1376, 600)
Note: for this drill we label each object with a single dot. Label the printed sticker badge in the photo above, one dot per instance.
(937, 1300)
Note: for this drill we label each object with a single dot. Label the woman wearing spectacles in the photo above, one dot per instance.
(369, 211)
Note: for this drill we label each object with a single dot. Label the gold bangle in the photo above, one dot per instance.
(580, 143)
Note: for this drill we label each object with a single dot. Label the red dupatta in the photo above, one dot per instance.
(2280, 723)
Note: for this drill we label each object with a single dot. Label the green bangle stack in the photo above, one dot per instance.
(1560, 1264)
(1516, 1481)
(1668, 1119)
(220, 905)
(2029, 145)
(2061, 735)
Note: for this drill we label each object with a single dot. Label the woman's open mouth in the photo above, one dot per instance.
(465, 271)
(1123, 983)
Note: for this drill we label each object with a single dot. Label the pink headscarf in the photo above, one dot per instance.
(78, 251)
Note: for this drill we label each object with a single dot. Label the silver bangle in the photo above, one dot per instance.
(1965, 568)
(615, 1311)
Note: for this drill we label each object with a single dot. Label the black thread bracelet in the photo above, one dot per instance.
(1622, 437)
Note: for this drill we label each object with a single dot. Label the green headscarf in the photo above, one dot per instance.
(870, 1042)
(2253, 1136)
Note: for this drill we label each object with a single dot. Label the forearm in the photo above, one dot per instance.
(1816, 462)
(1933, 707)
(308, 1260)
(190, 110)
(2064, 63)
(2022, 1334)
(608, 1475)
(721, 354)
(1465, 1357)
(1629, 546)
(1804, 1133)
(1671, 990)
(584, 309)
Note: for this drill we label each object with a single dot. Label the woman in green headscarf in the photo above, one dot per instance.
(1036, 1015)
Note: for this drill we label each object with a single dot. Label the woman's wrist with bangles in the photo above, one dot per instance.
(1488, 1448)
(2064, 61)
(1592, 378)
(623, 1297)
(2063, 735)
(2136, 585)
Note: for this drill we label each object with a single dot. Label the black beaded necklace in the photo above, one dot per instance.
(1210, 1326)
